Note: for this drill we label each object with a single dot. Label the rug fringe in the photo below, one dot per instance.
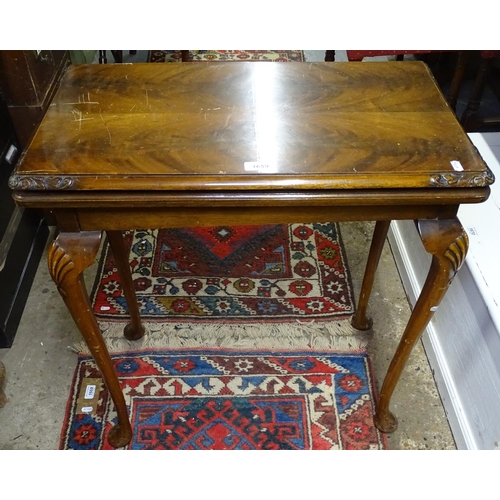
(336, 336)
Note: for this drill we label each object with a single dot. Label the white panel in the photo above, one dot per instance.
(462, 345)
(482, 223)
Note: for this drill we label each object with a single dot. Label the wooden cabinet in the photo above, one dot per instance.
(28, 79)
(23, 234)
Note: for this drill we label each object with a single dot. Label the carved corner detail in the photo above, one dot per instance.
(60, 264)
(40, 182)
(457, 251)
(462, 179)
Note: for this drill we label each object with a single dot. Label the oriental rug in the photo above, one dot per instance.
(228, 55)
(271, 286)
(228, 400)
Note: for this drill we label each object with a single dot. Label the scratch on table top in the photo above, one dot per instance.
(78, 117)
(82, 99)
(379, 98)
(109, 133)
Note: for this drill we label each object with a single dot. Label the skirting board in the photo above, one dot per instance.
(461, 343)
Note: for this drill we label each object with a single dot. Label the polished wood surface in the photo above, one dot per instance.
(193, 144)
(219, 126)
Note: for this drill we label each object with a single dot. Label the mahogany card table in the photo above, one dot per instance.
(130, 146)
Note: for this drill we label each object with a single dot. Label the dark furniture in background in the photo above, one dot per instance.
(28, 80)
(117, 56)
(23, 234)
(470, 79)
(471, 120)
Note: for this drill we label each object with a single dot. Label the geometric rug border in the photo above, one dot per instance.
(157, 56)
(233, 355)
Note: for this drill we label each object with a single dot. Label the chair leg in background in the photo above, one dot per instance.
(469, 119)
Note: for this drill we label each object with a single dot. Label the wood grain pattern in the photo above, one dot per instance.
(193, 126)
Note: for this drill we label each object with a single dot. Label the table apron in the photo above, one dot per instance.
(91, 219)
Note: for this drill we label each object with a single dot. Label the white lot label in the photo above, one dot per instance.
(255, 166)
(90, 392)
(457, 166)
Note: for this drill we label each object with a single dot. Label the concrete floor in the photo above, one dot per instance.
(40, 364)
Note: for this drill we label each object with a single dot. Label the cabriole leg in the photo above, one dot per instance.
(360, 320)
(69, 255)
(447, 241)
(134, 330)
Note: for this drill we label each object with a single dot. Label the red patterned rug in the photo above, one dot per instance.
(288, 286)
(231, 273)
(227, 400)
(228, 55)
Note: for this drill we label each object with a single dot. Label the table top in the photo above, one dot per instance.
(249, 126)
